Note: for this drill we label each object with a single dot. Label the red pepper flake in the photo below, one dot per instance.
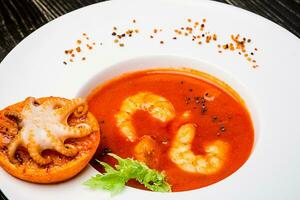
(65, 63)
(202, 27)
(89, 47)
(134, 21)
(161, 42)
(214, 37)
(208, 38)
(225, 46)
(81, 45)
(231, 47)
(189, 29)
(154, 30)
(255, 49)
(113, 33)
(69, 51)
(174, 38)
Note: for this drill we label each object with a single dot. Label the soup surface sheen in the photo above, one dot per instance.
(217, 112)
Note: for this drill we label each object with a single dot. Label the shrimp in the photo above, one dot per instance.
(147, 151)
(157, 106)
(181, 154)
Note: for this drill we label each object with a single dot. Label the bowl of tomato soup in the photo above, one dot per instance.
(177, 117)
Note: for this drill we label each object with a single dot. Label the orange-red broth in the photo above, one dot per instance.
(224, 118)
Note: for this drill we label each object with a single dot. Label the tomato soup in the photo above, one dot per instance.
(215, 110)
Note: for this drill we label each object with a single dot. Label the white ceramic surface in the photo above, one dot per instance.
(34, 68)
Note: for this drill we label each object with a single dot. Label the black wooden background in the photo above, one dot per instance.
(18, 18)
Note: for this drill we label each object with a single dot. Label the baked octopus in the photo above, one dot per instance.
(47, 140)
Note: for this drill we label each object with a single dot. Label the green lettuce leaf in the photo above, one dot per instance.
(114, 179)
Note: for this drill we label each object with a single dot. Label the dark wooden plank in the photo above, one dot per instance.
(19, 18)
(283, 12)
(2, 196)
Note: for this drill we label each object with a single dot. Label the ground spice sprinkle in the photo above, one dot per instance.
(81, 44)
(240, 45)
(196, 31)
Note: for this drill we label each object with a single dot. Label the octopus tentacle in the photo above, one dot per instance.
(12, 148)
(28, 103)
(35, 154)
(10, 123)
(72, 147)
(91, 123)
(13, 116)
(29, 128)
(56, 102)
(8, 128)
(67, 150)
(81, 111)
(80, 130)
(70, 108)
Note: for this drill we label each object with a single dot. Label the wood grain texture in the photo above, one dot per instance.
(18, 18)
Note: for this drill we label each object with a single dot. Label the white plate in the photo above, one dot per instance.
(34, 68)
